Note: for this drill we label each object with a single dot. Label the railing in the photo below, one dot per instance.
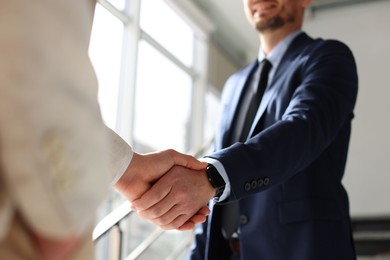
(113, 221)
(372, 236)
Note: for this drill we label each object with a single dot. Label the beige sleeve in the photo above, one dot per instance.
(54, 148)
(121, 154)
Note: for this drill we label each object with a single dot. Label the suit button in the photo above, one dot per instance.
(247, 186)
(243, 219)
(260, 183)
(254, 185)
(266, 181)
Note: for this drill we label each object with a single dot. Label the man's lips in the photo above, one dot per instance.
(262, 7)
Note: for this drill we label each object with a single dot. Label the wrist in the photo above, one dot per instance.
(132, 184)
(215, 180)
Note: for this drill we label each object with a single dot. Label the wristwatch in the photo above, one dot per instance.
(215, 179)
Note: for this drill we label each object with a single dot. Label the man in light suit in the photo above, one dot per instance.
(57, 158)
(278, 192)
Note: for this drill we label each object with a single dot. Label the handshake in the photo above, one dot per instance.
(168, 188)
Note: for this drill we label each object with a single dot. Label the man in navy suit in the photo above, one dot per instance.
(279, 194)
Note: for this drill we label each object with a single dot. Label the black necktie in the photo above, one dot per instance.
(264, 69)
(230, 216)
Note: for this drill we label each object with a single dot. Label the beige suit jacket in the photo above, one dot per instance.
(57, 159)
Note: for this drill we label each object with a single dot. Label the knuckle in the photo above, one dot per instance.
(163, 220)
(170, 152)
(155, 212)
(152, 213)
(158, 222)
(165, 227)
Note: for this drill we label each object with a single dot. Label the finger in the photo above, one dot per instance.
(177, 222)
(183, 221)
(189, 225)
(160, 213)
(187, 161)
(204, 211)
(171, 209)
(173, 218)
(135, 192)
(168, 210)
(151, 197)
(199, 217)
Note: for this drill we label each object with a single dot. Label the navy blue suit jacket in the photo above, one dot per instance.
(287, 175)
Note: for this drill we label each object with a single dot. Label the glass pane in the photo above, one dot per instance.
(163, 102)
(168, 28)
(120, 4)
(138, 230)
(105, 52)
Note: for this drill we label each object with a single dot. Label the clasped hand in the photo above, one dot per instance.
(167, 188)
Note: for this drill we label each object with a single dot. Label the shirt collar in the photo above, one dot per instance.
(275, 56)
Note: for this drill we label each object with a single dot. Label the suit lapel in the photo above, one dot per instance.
(236, 92)
(297, 45)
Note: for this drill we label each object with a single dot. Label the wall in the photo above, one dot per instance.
(220, 66)
(365, 29)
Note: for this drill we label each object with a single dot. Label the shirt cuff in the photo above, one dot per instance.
(121, 154)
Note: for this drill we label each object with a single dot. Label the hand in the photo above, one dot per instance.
(175, 198)
(199, 217)
(146, 169)
(54, 248)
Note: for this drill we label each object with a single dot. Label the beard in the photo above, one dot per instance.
(274, 23)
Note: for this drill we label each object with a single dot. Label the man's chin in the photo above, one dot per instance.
(270, 24)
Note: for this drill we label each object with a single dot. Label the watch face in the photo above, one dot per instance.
(215, 178)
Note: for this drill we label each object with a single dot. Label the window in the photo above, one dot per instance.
(105, 52)
(120, 4)
(168, 29)
(163, 102)
(164, 84)
(151, 67)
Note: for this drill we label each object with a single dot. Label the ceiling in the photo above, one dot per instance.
(235, 35)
